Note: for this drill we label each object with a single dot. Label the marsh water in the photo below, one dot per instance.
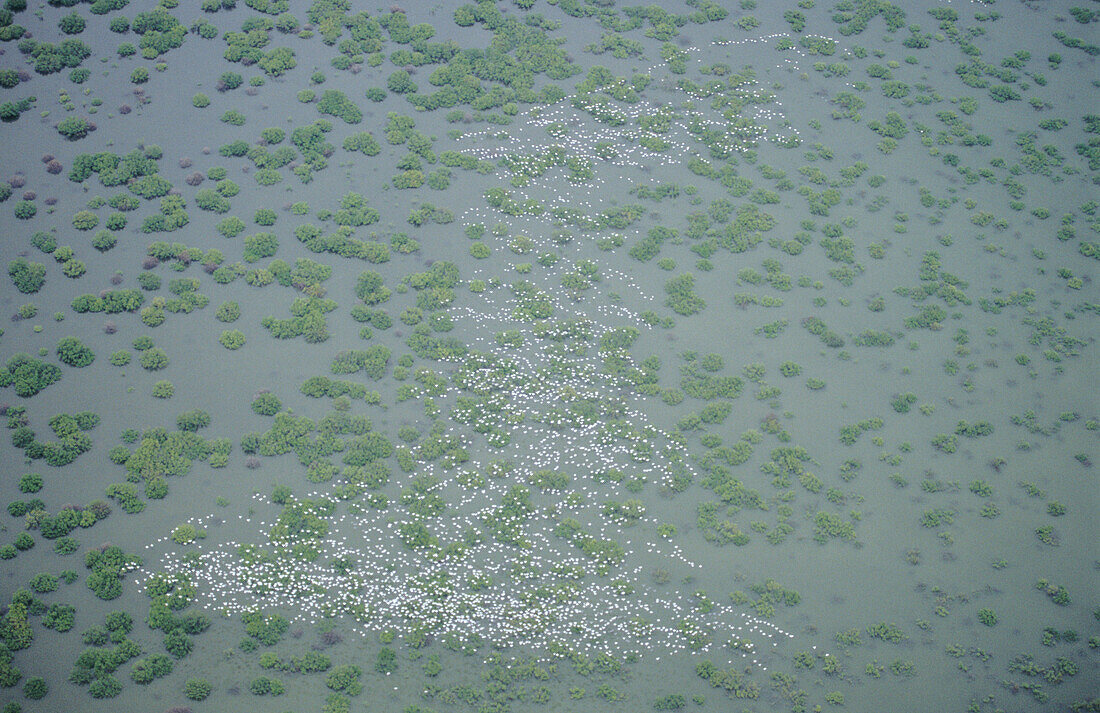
(751, 368)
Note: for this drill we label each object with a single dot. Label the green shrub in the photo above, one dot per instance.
(790, 368)
(263, 685)
(192, 420)
(148, 669)
(43, 582)
(233, 117)
(387, 661)
(259, 246)
(153, 358)
(73, 352)
(60, 617)
(399, 82)
(9, 78)
(73, 128)
(108, 566)
(106, 686)
(226, 187)
(27, 375)
(671, 702)
(229, 81)
(178, 643)
(268, 177)
(119, 622)
(336, 103)
(681, 296)
(197, 689)
(71, 24)
(105, 240)
(345, 679)
(228, 312)
(363, 142)
(209, 199)
(119, 454)
(28, 277)
(85, 220)
(409, 179)
(231, 227)
(266, 404)
(45, 242)
(73, 268)
(184, 534)
(232, 339)
(35, 688)
(30, 483)
(25, 210)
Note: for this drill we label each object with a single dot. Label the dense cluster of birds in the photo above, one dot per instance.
(541, 589)
(532, 597)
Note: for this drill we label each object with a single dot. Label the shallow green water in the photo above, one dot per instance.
(606, 493)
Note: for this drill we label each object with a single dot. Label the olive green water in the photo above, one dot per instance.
(742, 360)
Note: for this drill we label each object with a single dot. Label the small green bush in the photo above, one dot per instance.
(105, 240)
(197, 689)
(43, 582)
(259, 246)
(266, 404)
(30, 483)
(232, 339)
(153, 359)
(228, 312)
(73, 128)
(233, 117)
(25, 210)
(28, 277)
(73, 352)
(35, 688)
